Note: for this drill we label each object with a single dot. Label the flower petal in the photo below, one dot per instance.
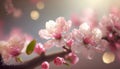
(44, 34)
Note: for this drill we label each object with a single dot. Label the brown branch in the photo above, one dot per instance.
(36, 61)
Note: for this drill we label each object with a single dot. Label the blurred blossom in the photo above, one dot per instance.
(34, 15)
(14, 46)
(9, 7)
(90, 15)
(75, 18)
(17, 13)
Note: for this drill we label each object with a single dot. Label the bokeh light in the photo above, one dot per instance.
(34, 15)
(108, 57)
(40, 5)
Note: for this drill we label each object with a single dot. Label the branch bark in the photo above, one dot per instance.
(36, 61)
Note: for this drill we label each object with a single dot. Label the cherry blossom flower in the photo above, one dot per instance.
(39, 49)
(56, 31)
(13, 46)
(110, 27)
(87, 39)
(45, 65)
(59, 61)
(73, 58)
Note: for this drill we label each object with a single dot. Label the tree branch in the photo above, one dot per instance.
(36, 61)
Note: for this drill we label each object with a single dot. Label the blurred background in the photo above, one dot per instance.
(31, 15)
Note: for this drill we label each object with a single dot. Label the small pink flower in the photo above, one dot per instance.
(45, 65)
(39, 49)
(58, 61)
(73, 58)
(69, 42)
(14, 51)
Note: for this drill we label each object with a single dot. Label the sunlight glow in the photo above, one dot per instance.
(34, 15)
(108, 57)
(40, 5)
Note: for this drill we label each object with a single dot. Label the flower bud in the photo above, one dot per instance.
(73, 58)
(58, 61)
(45, 65)
(39, 49)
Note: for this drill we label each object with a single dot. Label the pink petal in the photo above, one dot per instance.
(73, 58)
(49, 44)
(44, 34)
(75, 19)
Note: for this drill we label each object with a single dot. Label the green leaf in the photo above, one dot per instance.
(30, 47)
(18, 59)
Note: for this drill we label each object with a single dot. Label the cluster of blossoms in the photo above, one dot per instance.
(85, 36)
(11, 9)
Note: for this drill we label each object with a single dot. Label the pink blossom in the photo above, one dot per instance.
(14, 51)
(58, 61)
(90, 17)
(13, 46)
(76, 19)
(39, 49)
(49, 44)
(45, 65)
(73, 58)
(9, 7)
(86, 39)
(56, 31)
(69, 42)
